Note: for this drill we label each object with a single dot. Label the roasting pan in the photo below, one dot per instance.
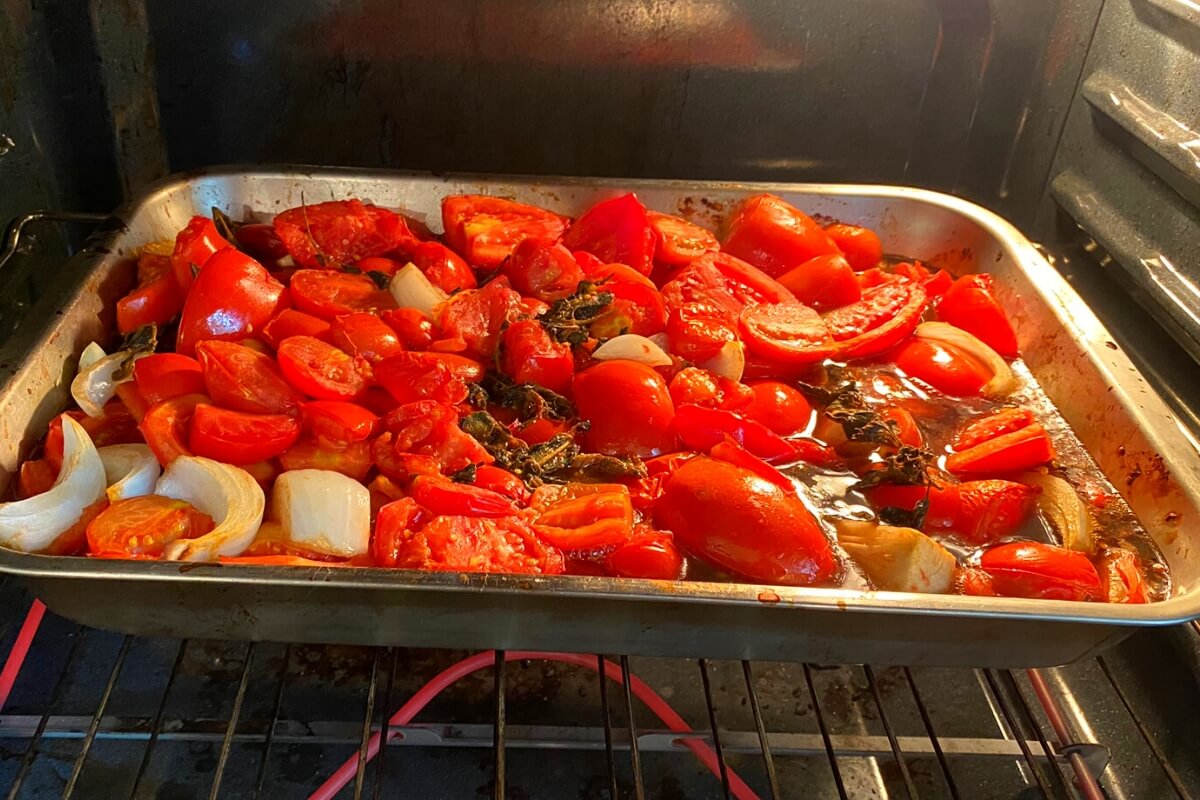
(1149, 455)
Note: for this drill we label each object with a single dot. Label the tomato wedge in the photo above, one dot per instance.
(971, 305)
(823, 282)
(161, 376)
(320, 370)
(949, 369)
(338, 421)
(245, 380)
(484, 230)
(774, 236)
(884, 316)
(788, 332)
(1017, 451)
(616, 231)
(859, 245)
(165, 426)
(141, 527)
(366, 335)
(680, 242)
(232, 298)
(442, 496)
(156, 299)
(328, 294)
(1006, 420)
(239, 438)
(291, 322)
(543, 269)
(529, 355)
(194, 246)
(1043, 571)
(340, 232)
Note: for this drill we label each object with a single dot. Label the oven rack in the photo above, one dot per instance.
(98, 715)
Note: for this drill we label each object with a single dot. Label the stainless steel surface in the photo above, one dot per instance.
(1135, 439)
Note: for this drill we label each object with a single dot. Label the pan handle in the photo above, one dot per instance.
(17, 228)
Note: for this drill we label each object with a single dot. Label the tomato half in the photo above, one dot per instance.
(484, 230)
(947, 368)
(971, 305)
(884, 316)
(628, 407)
(415, 330)
(478, 316)
(141, 527)
(320, 370)
(679, 242)
(290, 322)
(544, 269)
(194, 246)
(328, 293)
(156, 299)
(443, 267)
(696, 335)
(443, 496)
(232, 298)
(616, 231)
(979, 511)
(245, 380)
(239, 438)
(1022, 449)
(412, 376)
(791, 333)
(728, 515)
(475, 544)
(365, 335)
(859, 245)
(781, 408)
(774, 236)
(422, 435)
(649, 553)
(823, 282)
(700, 387)
(529, 355)
(165, 426)
(338, 422)
(161, 376)
(722, 285)
(1036, 570)
(340, 232)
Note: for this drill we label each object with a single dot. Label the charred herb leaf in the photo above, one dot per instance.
(529, 400)
(570, 318)
(891, 515)
(549, 461)
(477, 396)
(599, 468)
(466, 474)
(381, 279)
(226, 227)
(908, 466)
(141, 342)
(350, 269)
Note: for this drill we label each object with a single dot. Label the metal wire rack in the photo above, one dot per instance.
(100, 715)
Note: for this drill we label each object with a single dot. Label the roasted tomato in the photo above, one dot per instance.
(729, 516)
(860, 246)
(233, 298)
(529, 355)
(978, 431)
(1036, 570)
(949, 369)
(471, 544)
(1123, 577)
(338, 422)
(415, 330)
(444, 267)
(414, 376)
(970, 304)
(546, 270)
(340, 232)
(260, 241)
(424, 438)
(700, 428)
(637, 305)
(239, 438)
(978, 511)
(790, 333)
(290, 322)
(823, 282)
(352, 460)
(245, 380)
(477, 316)
(784, 410)
(583, 516)
(320, 370)
(775, 237)
(679, 242)
(700, 387)
(328, 294)
(161, 376)
(697, 335)
(884, 316)
(141, 527)
(1022, 449)
(194, 246)
(484, 230)
(628, 408)
(165, 426)
(502, 482)
(156, 299)
(721, 286)
(615, 231)
(441, 496)
(365, 335)
(649, 553)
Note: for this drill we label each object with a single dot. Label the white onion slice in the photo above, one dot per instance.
(129, 469)
(287, 262)
(729, 363)
(34, 523)
(323, 511)
(226, 493)
(412, 289)
(898, 559)
(96, 384)
(90, 355)
(1002, 382)
(631, 347)
(1065, 510)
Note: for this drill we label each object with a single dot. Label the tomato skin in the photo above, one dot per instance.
(1122, 576)
(444, 497)
(365, 335)
(484, 230)
(583, 516)
(978, 511)
(319, 370)
(531, 356)
(339, 232)
(943, 366)
(245, 380)
(290, 322)
(823, 282)
(1041, 571)
(939, 284)
(443, 267)
(352, 460)
(679, 242)
(729, 516)
(141, 527)
(165, 426)
(37, 475)
(790, 333)
(233, 297)
(733, 453)
(338, 422)
(161, 376)
(700, 387)
(971, 305)
(637, 305)
(719, 285)
(884, 316)
(415, 330)
(696, 336)
(156, 299)
(424, 437)
(502, 482)
(326, 294)
(979, 430)
(261, 242)
(774, 236)
(239, 438)
(391, 524)
(194, 246)
(544, 269)
(906, 425)
(860, 246)
(912, 270)
(974, 582)
(616, 230)
(628, 407)
(478, 316)
(781, 408)
(541, 429)
(1022, 449)
(649, 554)
(412, 376)
(475, 544)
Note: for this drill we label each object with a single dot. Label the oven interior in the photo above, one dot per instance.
(1075, 119)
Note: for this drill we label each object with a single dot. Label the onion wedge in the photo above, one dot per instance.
(130, 470)
(412, 289)
(322, 511)
(631, 347)
(90, 355)
(1065, 510)
(1003, 381)
(729, 363)
(97, 380)
(32, 524)
(229, 495)
(897, 559)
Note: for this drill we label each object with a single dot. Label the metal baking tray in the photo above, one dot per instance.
(1143, 449)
